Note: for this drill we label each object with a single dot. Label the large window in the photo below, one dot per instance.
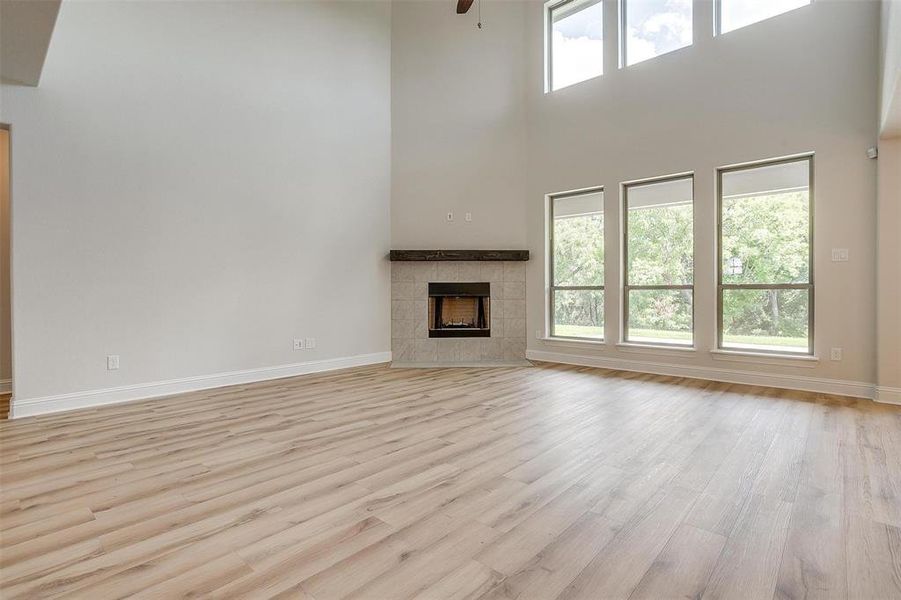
(765, 252)
(654, 27)
(734, 14)
(575, 44)
(577, 264)
(659, 261)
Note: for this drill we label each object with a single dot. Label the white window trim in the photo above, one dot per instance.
(624, 269)
(549, 275)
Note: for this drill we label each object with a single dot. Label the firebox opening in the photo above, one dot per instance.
(459, 310)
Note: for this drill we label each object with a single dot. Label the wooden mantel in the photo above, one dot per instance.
(469, 255)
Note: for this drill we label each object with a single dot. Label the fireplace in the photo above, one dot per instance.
(459, 310)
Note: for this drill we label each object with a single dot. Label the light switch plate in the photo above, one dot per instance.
(839, 255)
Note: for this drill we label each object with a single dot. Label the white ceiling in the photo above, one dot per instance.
(25, 30)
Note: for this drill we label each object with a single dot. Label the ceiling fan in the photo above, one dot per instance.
(463, 7)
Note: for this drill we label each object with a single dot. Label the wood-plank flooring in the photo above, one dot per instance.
(508, 483)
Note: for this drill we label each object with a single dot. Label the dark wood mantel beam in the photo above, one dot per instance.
(469, 255)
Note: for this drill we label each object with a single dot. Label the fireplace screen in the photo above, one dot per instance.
(459, 310)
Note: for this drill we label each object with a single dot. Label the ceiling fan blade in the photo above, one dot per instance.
(463, 6)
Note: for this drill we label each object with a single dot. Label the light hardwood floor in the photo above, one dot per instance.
(531, 483)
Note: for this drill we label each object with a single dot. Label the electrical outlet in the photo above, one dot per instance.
(112, 362)
(298, 343)
(450, 216)
(835, 354)
(311, 343)
(469, 217)
(839, 255)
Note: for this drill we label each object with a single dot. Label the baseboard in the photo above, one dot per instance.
(888, 395)
(6, 386)
(839, 387)
(143, 391)
(488, 364)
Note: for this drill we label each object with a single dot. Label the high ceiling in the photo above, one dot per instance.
(25, 30)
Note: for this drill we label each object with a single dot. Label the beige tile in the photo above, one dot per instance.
(420, 290)
(420, 310)
(514, 328)
(425, 350)
(401, 309)
(447, 271)
(497, 308)
(420, 328)
(514, 349)
(492, 271)
(401, 271)
(470, 350)
(514, 290)
(514, 271)
(492, 349)
(402, 290)
(448, 350)
(401, 350)
(402, 328)
(470, 271)
(497, 327)
(424, 271)
(514, 309)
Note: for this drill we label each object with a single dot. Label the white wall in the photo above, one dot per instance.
(458, 135)
(194, 185)
(804, 81)
(888, 260)
(888, 282)
(5, 318)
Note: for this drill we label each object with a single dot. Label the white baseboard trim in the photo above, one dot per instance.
(855, 389)
(143, 391)
(6, 386)
(888, 395)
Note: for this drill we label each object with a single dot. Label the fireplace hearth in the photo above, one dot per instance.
(459, 310)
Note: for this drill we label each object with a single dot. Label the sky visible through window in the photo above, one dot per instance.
(651, 28)
(577, 46)
(739, 13)
(655, 27)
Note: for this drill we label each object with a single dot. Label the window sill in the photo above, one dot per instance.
(634, 347)
(764, 358)
(572, 342)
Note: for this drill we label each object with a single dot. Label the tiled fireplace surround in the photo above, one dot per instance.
(410, 342)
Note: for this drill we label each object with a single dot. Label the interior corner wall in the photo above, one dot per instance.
(888, 256)
(459, 135)
(779, 87)
(5, 318)
(889, 270)
(194, 185)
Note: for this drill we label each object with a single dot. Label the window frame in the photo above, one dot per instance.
(718, 18)
(627, 287)
(549, 8)
(623, 31)
(552, 288)
(809, 286)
